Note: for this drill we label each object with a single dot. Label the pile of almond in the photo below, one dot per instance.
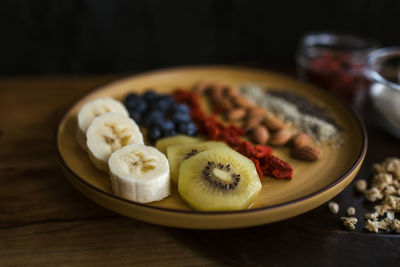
(262, 126)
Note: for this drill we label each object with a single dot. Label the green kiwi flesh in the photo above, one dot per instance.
(218, 179)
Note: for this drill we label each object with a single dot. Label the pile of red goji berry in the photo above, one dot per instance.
(339, 71)
(261, 155)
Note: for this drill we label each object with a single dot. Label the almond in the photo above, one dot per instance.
(236, 114)
(221, 87)
(242, 102)
(300, 139)
(253, 121)
(273, 123)
(225, 104)
(231, 91)
(216, 94)
(257, 111)
(260, 135)
(219, 100)
(306, 153)
(280, 137)
(202, 87)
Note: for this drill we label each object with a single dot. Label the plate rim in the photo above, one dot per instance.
(343, 177)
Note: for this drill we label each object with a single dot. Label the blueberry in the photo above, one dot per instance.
(132, 97)
(134, 102)
(153, 118)
(149, 96)
(179, 118)
(151, 107)
(138, 107)
(171, 132)
(166, 126)
(180, 108)
(136, 117)
(153, 134)
(164, 102)
(187, 128)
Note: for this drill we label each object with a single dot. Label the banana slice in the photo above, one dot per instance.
(108, 133)
(93, 109)
(139, 173)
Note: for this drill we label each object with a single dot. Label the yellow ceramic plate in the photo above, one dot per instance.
(313, 184)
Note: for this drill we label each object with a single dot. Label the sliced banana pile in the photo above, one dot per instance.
(115, 144)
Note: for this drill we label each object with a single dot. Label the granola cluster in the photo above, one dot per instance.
(333, 207)
(349, 222)
(385, 188)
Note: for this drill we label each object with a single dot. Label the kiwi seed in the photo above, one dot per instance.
(215, 181)
(191, 153)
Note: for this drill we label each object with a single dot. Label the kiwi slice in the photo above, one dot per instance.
(177, 153)
(163, 143)
(218, 179)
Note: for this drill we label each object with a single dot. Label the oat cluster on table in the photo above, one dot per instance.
(349, 222)
(385, 188)
(351, 211)
(333, 207)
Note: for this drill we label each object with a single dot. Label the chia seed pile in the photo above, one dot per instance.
(308, 117)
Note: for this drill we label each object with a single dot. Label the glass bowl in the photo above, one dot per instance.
(335, 62)
(383, 69)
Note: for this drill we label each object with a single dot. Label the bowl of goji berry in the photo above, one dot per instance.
(335, 62)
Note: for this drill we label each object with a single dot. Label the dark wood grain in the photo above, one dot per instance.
(32, 187)
(45, 221)
(96, 242)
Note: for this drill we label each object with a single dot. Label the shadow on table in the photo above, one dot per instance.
(298, 241)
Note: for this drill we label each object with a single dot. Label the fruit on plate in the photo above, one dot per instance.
(139, 173)
(93, 109)
(165, 142)
(177, 153)
(108, 133)
(160, 114)
(218, 179)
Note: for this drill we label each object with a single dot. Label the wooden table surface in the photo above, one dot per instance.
(45, 221)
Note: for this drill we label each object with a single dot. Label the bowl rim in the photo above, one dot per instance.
(219, 213)
(373, 58)
(331, 38)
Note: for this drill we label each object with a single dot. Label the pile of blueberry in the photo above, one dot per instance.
(160, 114)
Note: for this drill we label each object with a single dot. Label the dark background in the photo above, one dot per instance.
(94, 36)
